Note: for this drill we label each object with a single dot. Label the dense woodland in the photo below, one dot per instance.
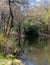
(22, 18)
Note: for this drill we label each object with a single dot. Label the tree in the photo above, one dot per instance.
(16, 11)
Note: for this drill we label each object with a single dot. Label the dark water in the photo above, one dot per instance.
(36, 51)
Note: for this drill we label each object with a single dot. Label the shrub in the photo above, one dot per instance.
(6, 45)
(43, 27)
(31, 30)
(2, 56)
(10, 56)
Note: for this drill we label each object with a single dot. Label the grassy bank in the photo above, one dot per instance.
(2, 56)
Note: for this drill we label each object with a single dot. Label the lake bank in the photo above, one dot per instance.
(15, 35)
(11, 62)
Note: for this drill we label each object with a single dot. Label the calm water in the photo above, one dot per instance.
(36, 51)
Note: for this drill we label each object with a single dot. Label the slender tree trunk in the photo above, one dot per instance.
(19, 35)
(11, 17)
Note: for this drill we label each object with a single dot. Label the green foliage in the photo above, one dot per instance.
(25, 25)
(30, 29)
(43, 27)
(34, 29)
(6, 44)
(2, 39)
(10, 56)
(2, 56)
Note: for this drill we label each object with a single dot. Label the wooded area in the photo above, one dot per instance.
(20, 19)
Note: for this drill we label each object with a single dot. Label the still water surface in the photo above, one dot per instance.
(36, 51)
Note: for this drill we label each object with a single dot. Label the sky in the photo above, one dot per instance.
(34, 1)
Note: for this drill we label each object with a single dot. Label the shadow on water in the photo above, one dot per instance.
(36, 41)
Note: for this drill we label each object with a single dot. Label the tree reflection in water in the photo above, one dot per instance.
(35, 50)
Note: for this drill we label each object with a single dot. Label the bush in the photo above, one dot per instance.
(31, 31)
(2, 39)
(10, 56)
(43, 27)
(2, 56)
(6, 45)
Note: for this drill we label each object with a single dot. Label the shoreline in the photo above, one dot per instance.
(10, 62)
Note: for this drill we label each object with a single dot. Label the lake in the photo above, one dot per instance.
(36, 51)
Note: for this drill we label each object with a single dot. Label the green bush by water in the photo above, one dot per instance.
(2, 56)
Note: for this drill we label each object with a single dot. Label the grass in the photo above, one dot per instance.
(8, 61)
(2, 56)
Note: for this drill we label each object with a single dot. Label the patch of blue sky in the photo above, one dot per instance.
(33, 2)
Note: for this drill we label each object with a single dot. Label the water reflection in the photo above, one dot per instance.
(36, 51)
